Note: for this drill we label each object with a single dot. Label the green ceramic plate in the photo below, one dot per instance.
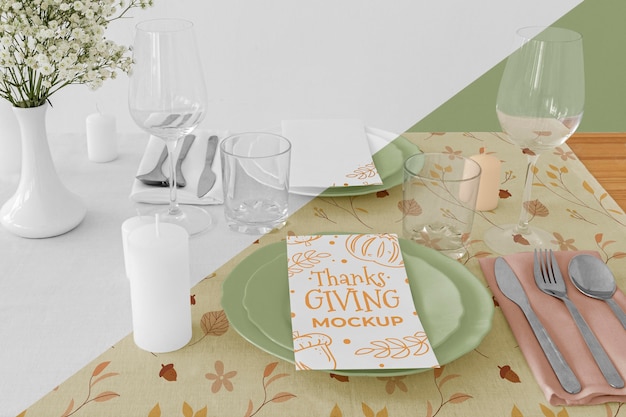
(436, 299)
(388, 160)
(475, 298)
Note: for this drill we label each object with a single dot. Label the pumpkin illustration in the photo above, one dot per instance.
(313, 351)
(382, 249)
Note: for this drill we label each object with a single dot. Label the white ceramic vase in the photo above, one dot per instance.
(42, 206)
(10, 145)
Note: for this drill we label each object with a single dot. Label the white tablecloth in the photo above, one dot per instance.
(64, 300)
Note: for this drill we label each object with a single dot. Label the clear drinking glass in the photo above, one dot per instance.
(439, 199)
(539, 105)
(167, 98)
(255, 175)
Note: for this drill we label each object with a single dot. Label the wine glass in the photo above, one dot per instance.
(539, 105)
(167, 98)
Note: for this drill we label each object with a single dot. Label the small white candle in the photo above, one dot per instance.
(101, 137)
(159, 286)
(489, 189)
(128, 226)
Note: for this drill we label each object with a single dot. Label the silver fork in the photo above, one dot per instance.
(549, 280)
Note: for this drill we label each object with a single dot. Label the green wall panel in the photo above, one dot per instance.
(603, 26)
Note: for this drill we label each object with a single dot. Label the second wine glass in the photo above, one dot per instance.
(167, 98)
(539, 105)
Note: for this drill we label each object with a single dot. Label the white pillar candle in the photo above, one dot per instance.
(128, 226)
(101, 137)
(159, 285)
(489, 189)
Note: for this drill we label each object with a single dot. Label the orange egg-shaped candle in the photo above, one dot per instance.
(489, 188)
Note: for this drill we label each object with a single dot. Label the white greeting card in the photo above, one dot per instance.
(329, 153)
(351, 304)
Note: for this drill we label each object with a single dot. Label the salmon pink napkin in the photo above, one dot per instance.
(561, 327)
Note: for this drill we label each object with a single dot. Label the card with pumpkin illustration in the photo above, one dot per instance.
(351, 304)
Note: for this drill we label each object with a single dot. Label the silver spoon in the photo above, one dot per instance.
(593, 278)
(156, 176)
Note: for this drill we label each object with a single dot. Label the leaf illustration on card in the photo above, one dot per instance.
(303, 240)
(395, 348)
(305, 260)
(364, 172)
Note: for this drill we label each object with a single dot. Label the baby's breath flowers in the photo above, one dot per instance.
(46, 45)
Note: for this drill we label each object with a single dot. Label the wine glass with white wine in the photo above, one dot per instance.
(539, 105)
(167, 98)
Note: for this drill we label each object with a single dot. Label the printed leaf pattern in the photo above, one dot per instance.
(536, 208)
(410, 207)
(101, 397)
(214, 323)
(268, 379)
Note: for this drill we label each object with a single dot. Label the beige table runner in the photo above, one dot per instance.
(221, 374)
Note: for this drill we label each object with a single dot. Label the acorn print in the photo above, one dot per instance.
(518, 238)
(168, 372)
(507, 373)
(504, 194)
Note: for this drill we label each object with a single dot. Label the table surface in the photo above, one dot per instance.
(604, 155)
(220, 373)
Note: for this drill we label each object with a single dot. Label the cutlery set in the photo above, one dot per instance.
(207, 178)
(591, 280)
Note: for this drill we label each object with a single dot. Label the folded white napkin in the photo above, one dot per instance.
(192, 167)
(329, 153)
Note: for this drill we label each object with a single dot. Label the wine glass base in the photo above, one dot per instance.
(506, 239)
(193, 219)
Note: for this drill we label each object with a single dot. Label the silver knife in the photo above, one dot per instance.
(512, 289)
(187, 142)
(207, 177)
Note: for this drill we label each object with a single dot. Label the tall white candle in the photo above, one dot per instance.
(101, 137)
(489, 188)
(128, 226)
(159, 285)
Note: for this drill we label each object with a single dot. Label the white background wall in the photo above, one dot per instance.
(388, 62)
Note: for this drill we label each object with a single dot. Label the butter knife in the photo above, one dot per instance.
(207, 177)
(512, 289)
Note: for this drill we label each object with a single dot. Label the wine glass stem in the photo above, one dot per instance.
(524, 217)
(173, 209)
